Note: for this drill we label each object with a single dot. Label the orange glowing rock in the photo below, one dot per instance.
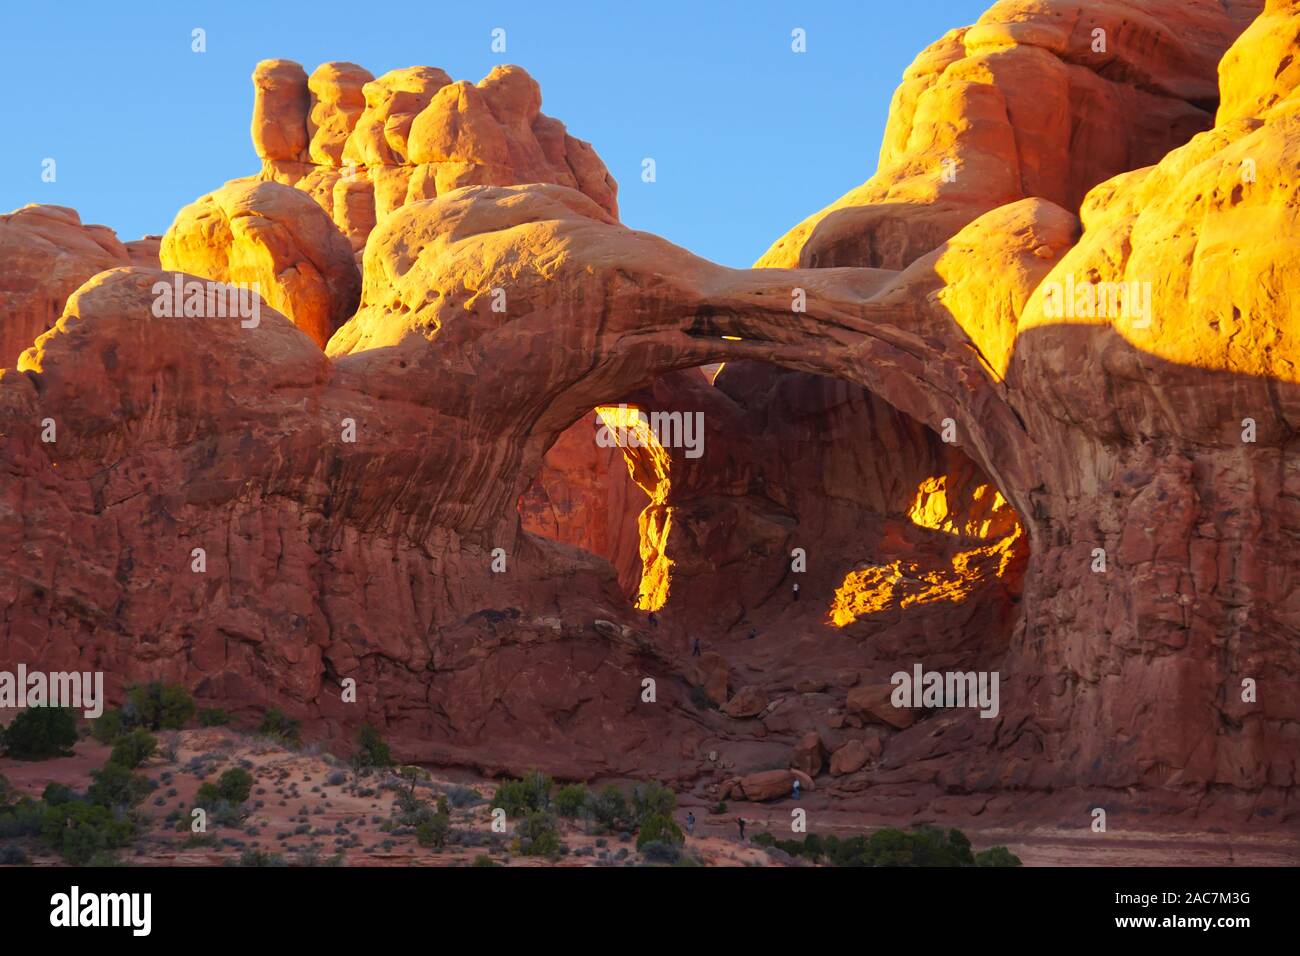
(647, 463)
(276, 237)
(903, 582)
(363, 146)
(1024, 103)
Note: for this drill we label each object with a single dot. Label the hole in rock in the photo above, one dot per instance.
(709, 488)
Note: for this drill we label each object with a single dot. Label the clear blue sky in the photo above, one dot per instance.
(748, 137)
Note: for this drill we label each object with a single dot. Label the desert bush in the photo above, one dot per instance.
(996, 856)
(462, 796)
(659, 828)
(658, 852)
(23, 818)
(610, 809)
(924, 846)
(57, 793)
(11, 854)
(38, 733)
(530, 794)
(571, 800)
(79, 831)
(652, 799)
(115, 786)
(434, 831)
(134, 748)
(235, 785)
(484, 860)
(157, 706)
(170, 747)
(280, 727)
(108, 726)
(213, 717)
(538, 835)
(372, 750)
(260, 858)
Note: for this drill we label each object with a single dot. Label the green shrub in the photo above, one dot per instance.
(116, 786)
(609, 807)
(22, 819)
(231, 790)
(718, 808)
(434, 831)
(462, 796)
(538, 836)
(484, 860)
(157, 706)
(923, 846)
(38, 733)
(108, 726)
(132, 749)
(372, 751)
(235, 785)
(11, 854)
(213, 717)
(81, 831)
(260, 858)
(657, 851)
(279, 726)
(412, 811)
(57, 793)
(413, 775)
(658, 828)
(571, 800)
(530, 794)
(996, 856)
(651, 799)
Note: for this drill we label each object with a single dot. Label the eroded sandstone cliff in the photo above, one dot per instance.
(1117, 500)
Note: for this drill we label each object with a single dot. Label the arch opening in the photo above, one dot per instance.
(795, 477)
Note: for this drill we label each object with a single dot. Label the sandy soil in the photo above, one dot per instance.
(309, 806)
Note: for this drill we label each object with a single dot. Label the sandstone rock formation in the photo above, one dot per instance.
(276, 238)
(362, 147)
(1144, 456)
(47, 253)
(808, 754)
(1030, 101)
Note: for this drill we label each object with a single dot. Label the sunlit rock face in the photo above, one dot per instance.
(363, 146)
(46, 253)
(1032, 100)
(275, 239)
(1147, 452)
(777, 469)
